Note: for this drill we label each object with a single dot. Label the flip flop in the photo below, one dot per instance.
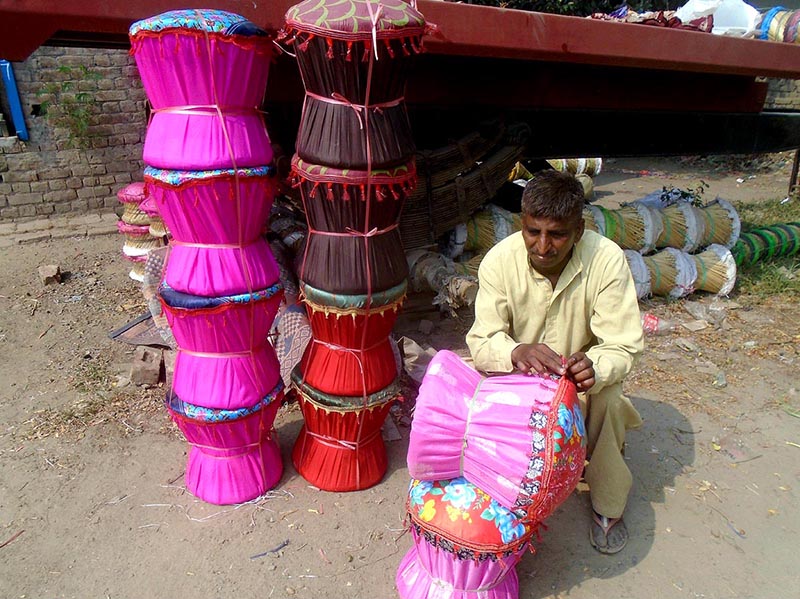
(599, 534)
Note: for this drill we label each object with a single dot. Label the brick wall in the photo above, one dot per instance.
(783, 95)
(57, 171)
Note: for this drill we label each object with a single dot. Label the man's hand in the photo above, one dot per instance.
(581, 370)
(538, 358)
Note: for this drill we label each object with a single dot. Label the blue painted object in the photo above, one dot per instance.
(13, 100)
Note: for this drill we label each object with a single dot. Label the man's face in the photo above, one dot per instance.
(550, 242)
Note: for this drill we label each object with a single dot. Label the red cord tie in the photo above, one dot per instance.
(335, 443)
(216, 246)
(352, 350)
(339, 99)
(208, 110)
(350, 232)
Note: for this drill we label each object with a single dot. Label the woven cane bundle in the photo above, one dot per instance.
(722, 224)
(631, 227)
(716, 270)
(682, 227)
(672, 273)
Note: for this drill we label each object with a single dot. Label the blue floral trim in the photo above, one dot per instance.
(178, 299)
(202, 414)
(202, 19)
(177, 178)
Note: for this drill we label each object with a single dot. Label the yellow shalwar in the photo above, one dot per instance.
(594, 309)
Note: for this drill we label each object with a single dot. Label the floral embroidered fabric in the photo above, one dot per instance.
(217, 21)
(567, 446)
(460, 518)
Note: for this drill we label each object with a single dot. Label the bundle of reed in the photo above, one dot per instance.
(490, 225)
(588, 185)
(519, 173)
(682, 227)
(672, 273)
(658, 222)
(722, 224)
(631, 227)
(716, 270)
(470, 267)
(764, 243)
(594, 220)
(641, 275)
(458, 290)
(700, 235)
(578, 166)
(429, 271)
(456, 241)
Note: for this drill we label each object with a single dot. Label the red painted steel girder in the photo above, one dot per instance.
(463, 30)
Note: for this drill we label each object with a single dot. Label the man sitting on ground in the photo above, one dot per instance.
(555, 290)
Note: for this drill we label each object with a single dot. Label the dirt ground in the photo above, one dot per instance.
(92, 502)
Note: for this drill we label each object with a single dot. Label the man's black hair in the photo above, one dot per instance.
(554, 195)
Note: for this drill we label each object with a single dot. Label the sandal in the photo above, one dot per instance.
(608, 535)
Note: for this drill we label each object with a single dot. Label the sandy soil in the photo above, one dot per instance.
(92, 502)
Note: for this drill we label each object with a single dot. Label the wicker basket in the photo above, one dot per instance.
(456, 180)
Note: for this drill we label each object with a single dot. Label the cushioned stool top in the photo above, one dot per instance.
(217, 21)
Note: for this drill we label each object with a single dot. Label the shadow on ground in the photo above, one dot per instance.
(564, 559)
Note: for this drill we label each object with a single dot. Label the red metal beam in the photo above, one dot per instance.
(485, 31)
(464, 30)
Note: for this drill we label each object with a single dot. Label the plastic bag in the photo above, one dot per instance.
(731, 17)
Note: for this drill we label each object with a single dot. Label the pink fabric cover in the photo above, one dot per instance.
(213, 272)
(226, 382)
(149, 206)
(132, 193)
(206, 212)
(233, 327)
(519, 438)
(134, 230)
(428, 572)
(233, 461)
(177, 73)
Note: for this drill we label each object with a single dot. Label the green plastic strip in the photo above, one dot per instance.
(701, 267)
